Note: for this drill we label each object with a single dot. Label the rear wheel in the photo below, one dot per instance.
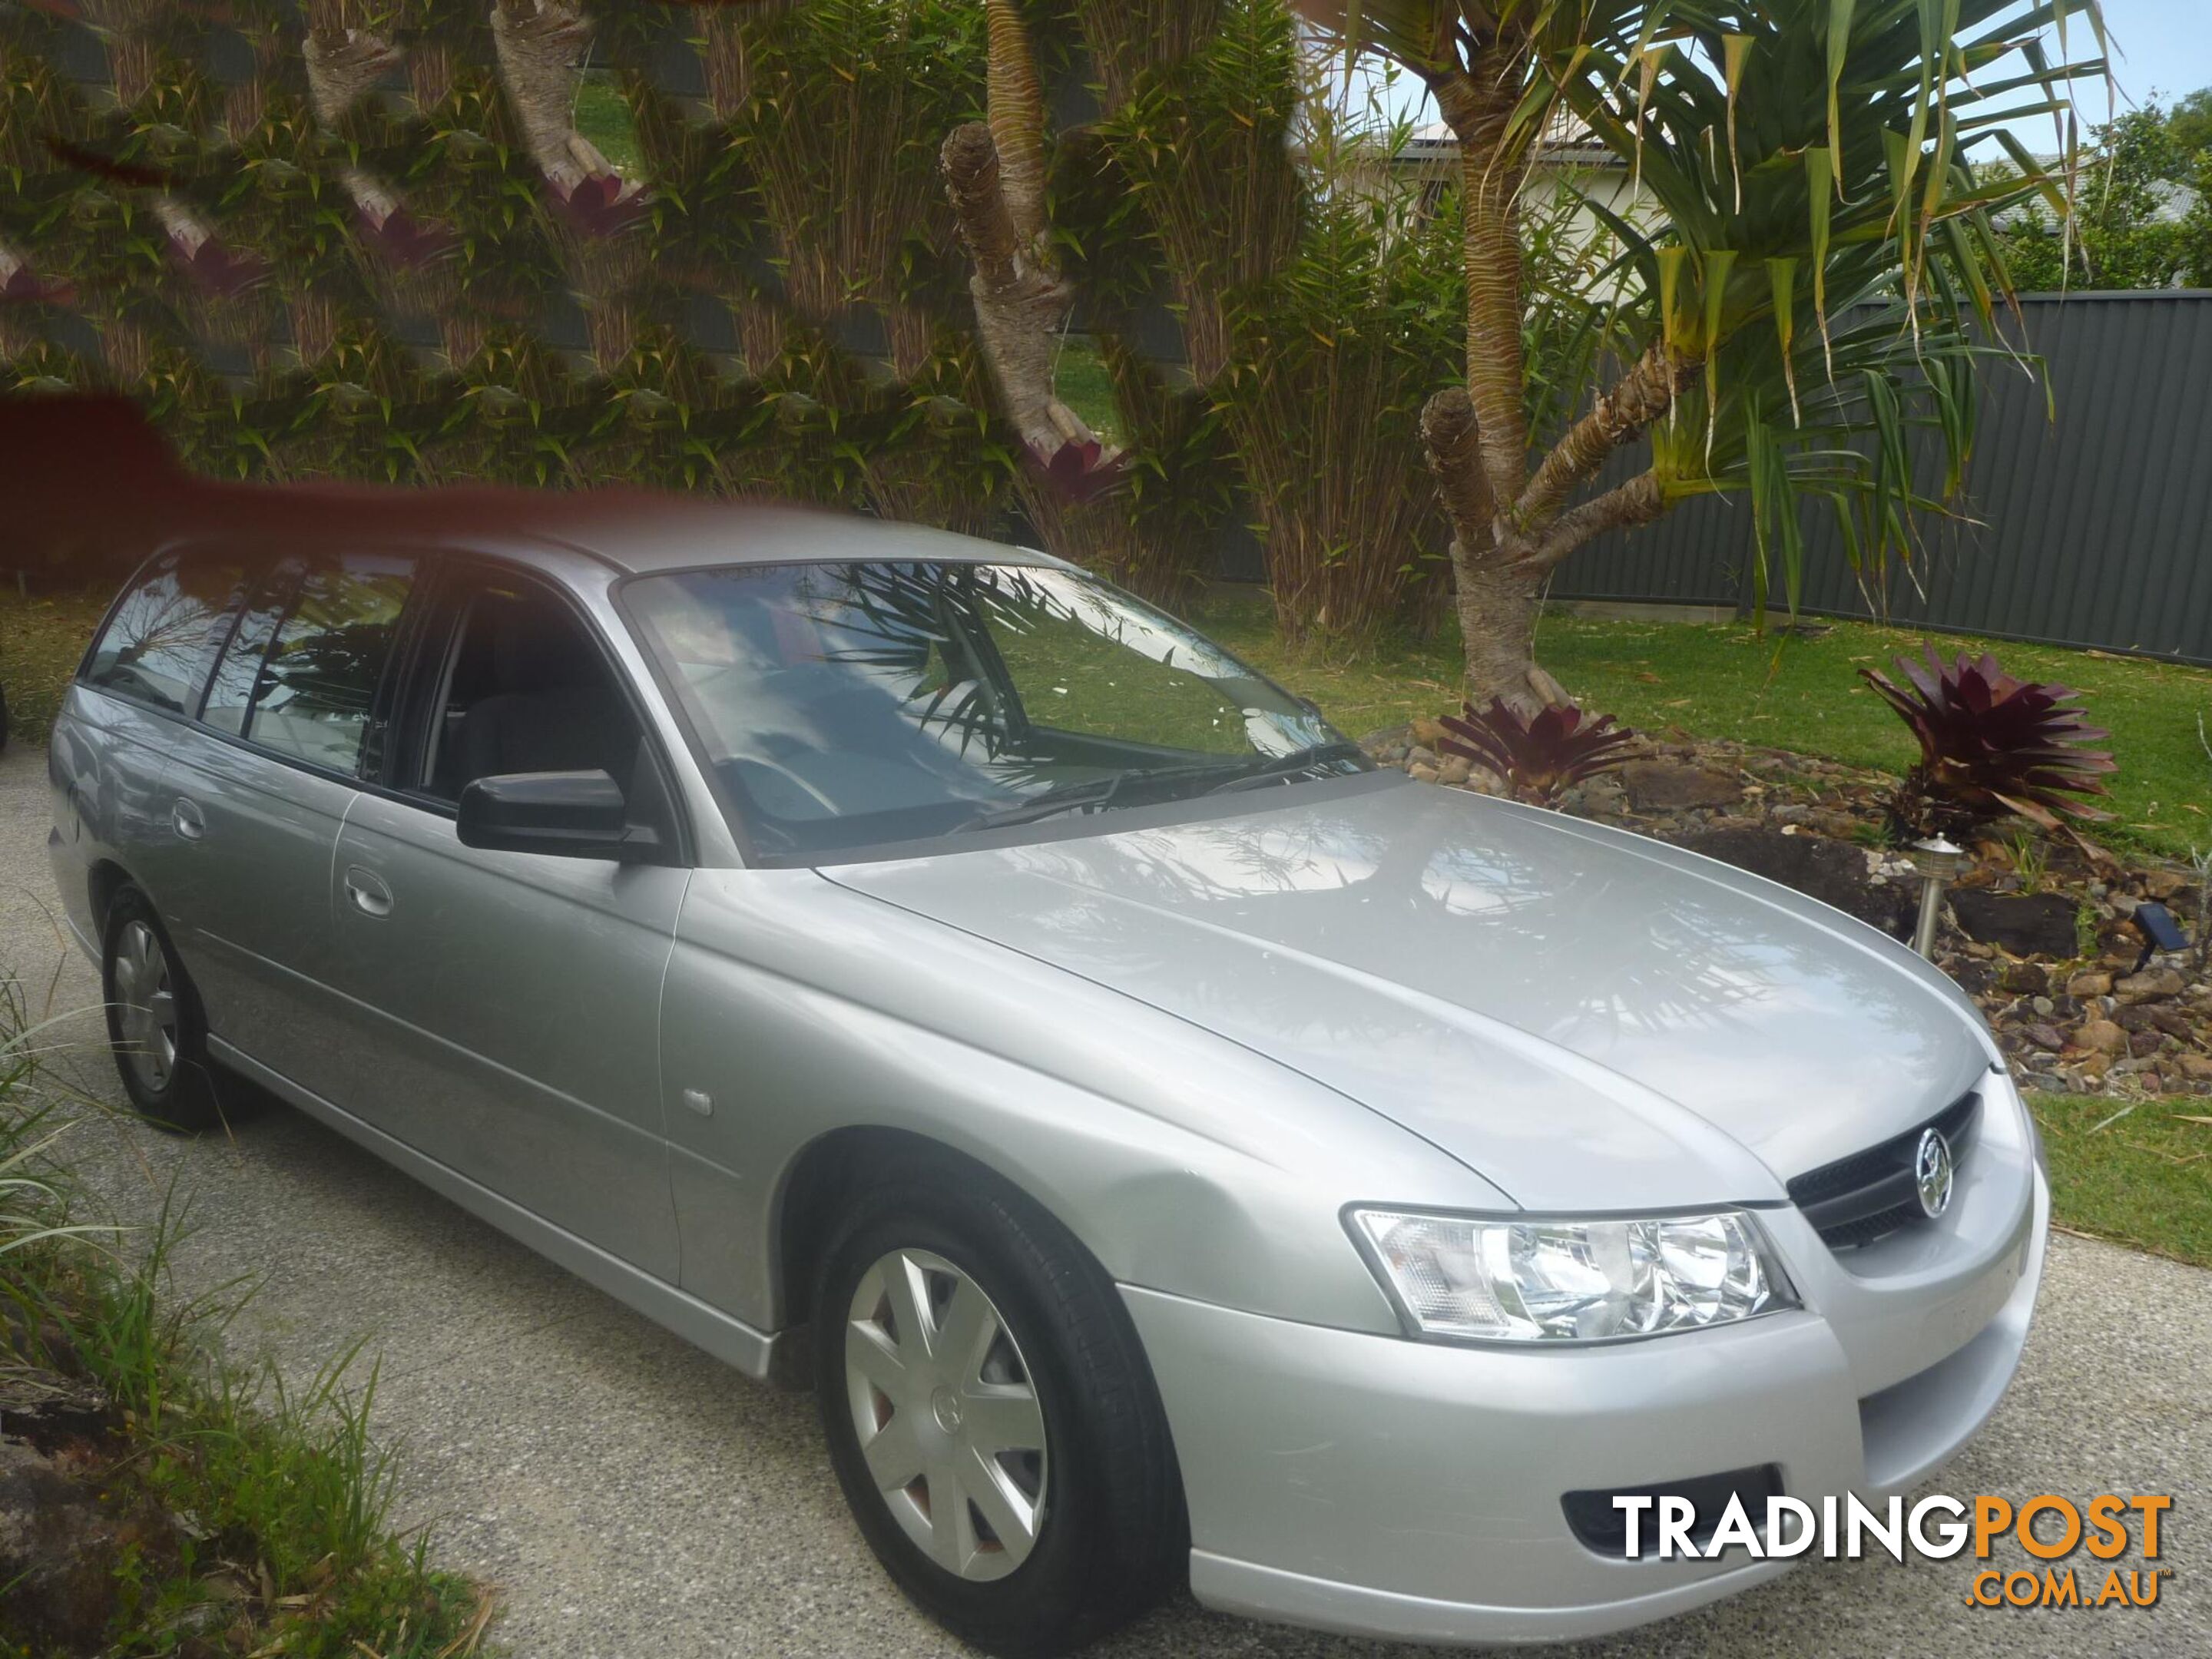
(154, 1021)
(991, 1417)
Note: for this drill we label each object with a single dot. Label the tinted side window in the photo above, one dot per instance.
(238, 676)
(314, 694)
(156, 647)
(524, 690)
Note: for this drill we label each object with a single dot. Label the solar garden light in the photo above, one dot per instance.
(1938, 864)
(2160, 931)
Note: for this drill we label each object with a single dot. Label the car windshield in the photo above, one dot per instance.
(843, 706)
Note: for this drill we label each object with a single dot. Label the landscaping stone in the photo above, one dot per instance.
(2151, 982)
(2038, 926)
(2101, 1037)
(1659, 786)
(1830, 871)
(2089, 985)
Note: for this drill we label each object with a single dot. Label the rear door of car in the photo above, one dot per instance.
(254, 797)
(511, 1000)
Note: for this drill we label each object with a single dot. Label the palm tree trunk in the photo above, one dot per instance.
(539, 43)
(1016, 102)
(1508, 532)
(1498, 604)
(1477, 105)
(1018, 307)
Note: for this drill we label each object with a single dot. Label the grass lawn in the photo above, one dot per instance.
(1080, 377)
(41, 638)
(603, 116)
(2144, 1179)
(1723, 680)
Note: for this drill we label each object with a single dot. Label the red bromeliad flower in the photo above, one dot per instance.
(604, 205)
(1537, 756)
(1991, 744)
(405, 242)
(25, 287)
(216, 269)
(1080, 471)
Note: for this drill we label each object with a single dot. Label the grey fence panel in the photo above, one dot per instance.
(2091, 526)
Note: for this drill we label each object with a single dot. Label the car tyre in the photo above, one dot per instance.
(154, 1024)
(956, 1320)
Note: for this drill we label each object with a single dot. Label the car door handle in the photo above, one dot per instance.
(368, 893)
(185, 818)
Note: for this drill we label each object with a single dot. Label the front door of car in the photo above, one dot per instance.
(252, 799)
(509, 1002)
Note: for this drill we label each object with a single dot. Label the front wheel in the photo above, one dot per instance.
(154, 1021)
(991, 1417)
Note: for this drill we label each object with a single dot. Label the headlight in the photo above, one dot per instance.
(1542, 1279)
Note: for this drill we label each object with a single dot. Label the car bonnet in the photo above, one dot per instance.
(1589, 1019)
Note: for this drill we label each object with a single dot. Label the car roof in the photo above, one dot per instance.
(635, 531)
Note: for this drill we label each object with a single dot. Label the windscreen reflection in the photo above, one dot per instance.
(843, 706)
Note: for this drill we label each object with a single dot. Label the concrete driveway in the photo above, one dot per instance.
(632, 1499)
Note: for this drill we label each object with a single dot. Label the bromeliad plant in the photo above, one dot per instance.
(1989, 745)
(1538, 757)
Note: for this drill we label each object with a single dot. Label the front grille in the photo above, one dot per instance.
(1600, 1527)
(1870, 1195)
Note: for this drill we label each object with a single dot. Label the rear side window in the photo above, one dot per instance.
(158, 644)
(238, 675)
(301, 675)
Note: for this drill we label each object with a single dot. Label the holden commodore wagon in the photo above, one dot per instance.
(1174, 1150)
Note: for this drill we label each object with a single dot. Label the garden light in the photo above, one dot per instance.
(2159, 930)
(1938, 863)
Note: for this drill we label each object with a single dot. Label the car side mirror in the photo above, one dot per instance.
(572, 815)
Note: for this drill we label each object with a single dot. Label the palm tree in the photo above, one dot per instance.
(1808, 299)
(994, 175)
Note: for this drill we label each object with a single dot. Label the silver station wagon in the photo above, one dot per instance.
(1173, 1149)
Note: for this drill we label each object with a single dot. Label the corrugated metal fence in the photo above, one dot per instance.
(2095, 527)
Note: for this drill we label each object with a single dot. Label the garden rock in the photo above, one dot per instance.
(58, 1549)
(2089, 985)
(2040, 926)
(2151, 983)
(1667, 786)
(1829, 870)
(2101, 1037)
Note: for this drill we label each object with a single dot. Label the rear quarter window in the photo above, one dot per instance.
(161, 638)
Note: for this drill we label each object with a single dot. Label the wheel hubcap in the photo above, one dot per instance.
(946, 1413)
(146, 1005)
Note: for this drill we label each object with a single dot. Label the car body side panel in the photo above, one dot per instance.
(1184, 1162)
(502, 1015)
(247, 900)
(105, 762)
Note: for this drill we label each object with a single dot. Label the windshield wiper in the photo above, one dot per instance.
(1283, 767)
(1094, 792)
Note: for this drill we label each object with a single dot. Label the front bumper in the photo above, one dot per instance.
(1381, 1486)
